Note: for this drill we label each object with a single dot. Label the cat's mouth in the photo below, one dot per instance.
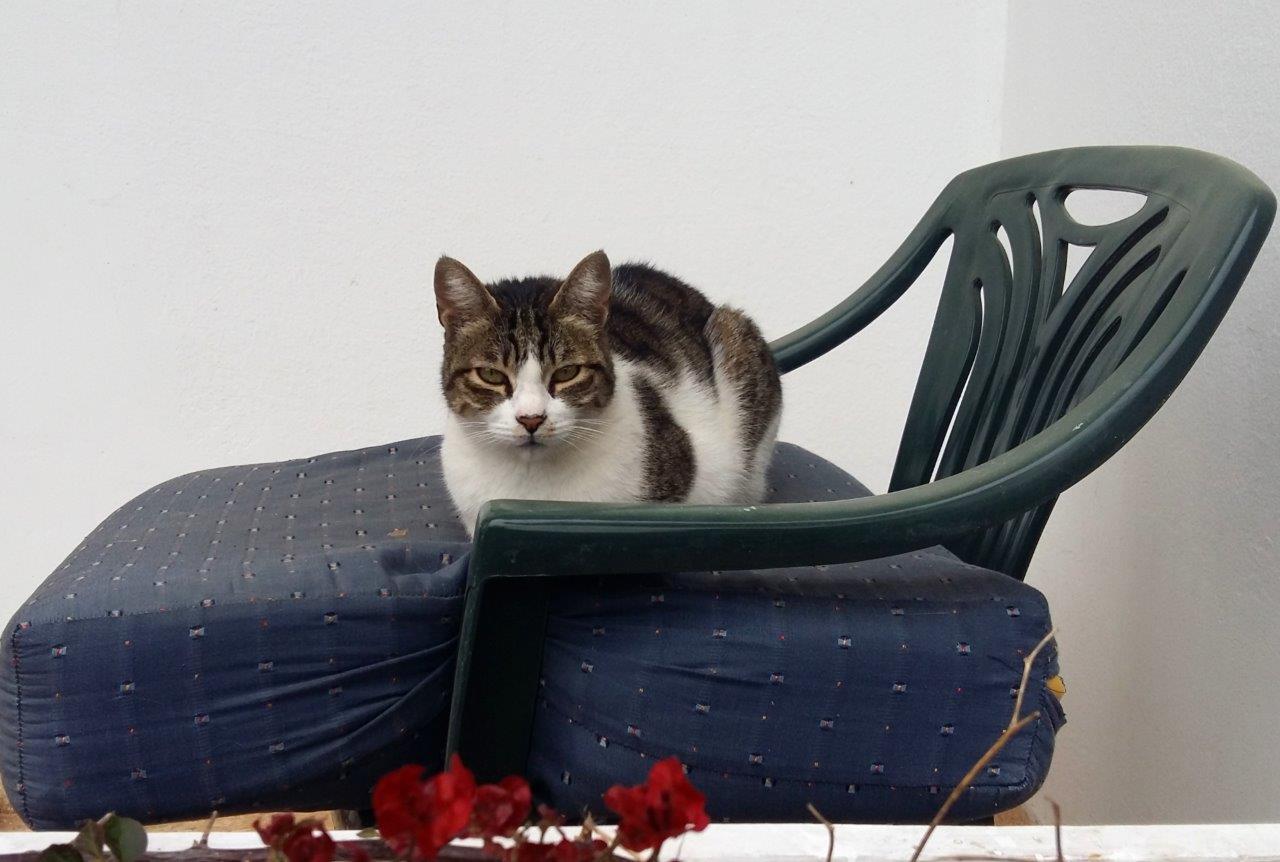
(534, 442)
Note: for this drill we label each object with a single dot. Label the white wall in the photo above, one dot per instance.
(218, 223)
(219, 220)
(1162, 567)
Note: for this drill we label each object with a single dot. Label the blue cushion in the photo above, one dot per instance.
(277, 636)
(867, 689)
(270, 636)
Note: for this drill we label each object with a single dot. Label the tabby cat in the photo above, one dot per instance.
(611, 385)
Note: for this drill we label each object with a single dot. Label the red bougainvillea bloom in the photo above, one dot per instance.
(311, 843)
(665, 806)
(301, 840)
(423, 816)
(276, 828)
(501, 808)
(578, 851)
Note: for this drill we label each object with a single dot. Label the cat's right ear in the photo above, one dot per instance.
(585, 293)
(460, 296)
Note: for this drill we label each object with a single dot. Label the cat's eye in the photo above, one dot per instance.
(492, 376)
(565, 373)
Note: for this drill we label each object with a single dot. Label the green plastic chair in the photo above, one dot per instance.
(1025, 388)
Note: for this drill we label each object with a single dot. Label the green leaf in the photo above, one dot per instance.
(371, 832)
(126, 838)
(60, 853)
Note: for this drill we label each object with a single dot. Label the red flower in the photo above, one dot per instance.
(665, 806)
(296, 840)
(420, 817)
(308, 844)
(278, 827)
(578, 851)
(501, 808)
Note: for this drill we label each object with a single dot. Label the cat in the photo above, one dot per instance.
(612, 386)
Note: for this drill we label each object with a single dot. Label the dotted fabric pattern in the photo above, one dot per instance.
(868, 689)
(276, 636)
(268, 636)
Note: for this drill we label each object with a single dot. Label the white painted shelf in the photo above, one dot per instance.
(794, 842)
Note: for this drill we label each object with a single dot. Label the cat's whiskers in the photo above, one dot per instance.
(481, 434)
(586, 432)
(575, 436)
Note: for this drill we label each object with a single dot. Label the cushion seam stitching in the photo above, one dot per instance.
(17, 680)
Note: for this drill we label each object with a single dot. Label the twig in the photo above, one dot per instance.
(1015, 724)
(831, 829)
(1027, 661)
(1057, 829)
(969, 777)
(208, 828)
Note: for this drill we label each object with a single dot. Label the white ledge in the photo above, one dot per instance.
(794, 842)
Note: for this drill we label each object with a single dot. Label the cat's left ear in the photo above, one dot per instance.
(585, 293)
(460, 296)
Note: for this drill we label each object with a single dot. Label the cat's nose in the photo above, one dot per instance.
(532, 423)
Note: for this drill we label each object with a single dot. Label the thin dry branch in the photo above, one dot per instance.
(969, 777)
(1015, 724)
(208, 827)
(831, 829)
(1027, 661)
(1057, 829)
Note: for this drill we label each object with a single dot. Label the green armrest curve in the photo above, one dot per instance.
(529, 538)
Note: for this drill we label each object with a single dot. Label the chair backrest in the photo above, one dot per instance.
(1015, 345)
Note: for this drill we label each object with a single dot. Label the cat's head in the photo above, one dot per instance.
(526, 361)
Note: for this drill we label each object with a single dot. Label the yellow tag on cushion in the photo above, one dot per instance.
(1057, 685)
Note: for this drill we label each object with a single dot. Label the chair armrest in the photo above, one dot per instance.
(869, 301)
(521, 538)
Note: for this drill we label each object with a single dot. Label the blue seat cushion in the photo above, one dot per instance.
(276, 636)
(272, 636)
(867, 689)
